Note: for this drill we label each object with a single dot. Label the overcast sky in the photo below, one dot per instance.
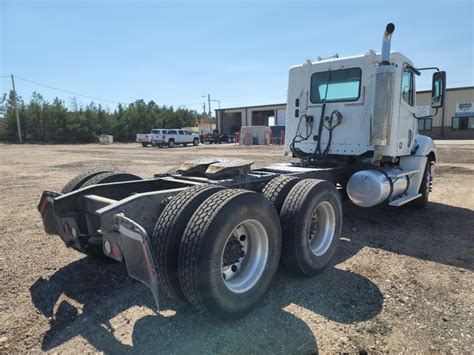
(239, 52)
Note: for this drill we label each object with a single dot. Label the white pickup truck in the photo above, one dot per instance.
(147, 139)
(169, 137)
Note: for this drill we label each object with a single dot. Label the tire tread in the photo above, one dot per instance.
(190, 243)
(162, 234)
(80, 180)
(277, 189)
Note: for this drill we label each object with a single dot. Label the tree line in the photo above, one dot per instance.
(54, 122)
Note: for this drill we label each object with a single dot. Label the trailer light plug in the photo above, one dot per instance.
(309, 120)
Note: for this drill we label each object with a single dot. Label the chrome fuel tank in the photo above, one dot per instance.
(368, 188)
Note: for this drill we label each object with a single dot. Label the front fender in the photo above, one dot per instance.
(424, 145)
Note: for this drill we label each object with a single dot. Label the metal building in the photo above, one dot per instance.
(229, 120)
(454, 121)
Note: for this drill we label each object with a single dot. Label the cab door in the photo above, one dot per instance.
(181, 138)
(407, 126)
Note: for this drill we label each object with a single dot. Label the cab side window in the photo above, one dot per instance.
(407, 86)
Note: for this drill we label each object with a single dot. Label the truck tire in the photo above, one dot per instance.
(78, 181)
(311, 220)
(425, 187)
(168, 231)
(277, 189)
(195, 141)
(171, 143)
(229, 253)
(110, 176)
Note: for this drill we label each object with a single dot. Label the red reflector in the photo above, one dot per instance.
(116, 250)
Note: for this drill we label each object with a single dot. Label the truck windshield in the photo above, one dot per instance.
(336, 85)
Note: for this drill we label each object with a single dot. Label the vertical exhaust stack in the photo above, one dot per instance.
(387, 39)
(383, 102)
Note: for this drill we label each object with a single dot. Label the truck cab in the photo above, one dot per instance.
(347, 86)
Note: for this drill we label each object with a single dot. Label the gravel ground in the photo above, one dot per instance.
(402, 279)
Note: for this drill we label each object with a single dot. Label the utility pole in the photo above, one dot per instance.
(209, 104)
(16, 111)
(204, 107)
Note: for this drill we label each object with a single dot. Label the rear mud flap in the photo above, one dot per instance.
(135, 248)
(46, 209)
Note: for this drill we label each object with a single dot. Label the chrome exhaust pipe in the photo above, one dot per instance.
(381, 124)
(387, 38)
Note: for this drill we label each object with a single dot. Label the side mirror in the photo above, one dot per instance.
(438, 89)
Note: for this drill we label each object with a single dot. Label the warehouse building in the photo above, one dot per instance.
(454, 121)
(229, 120)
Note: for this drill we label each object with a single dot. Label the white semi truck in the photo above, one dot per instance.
(213, 232)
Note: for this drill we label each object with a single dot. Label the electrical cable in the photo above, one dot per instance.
(66, 91)
(317, 154)
(78, 94)
(300, 137)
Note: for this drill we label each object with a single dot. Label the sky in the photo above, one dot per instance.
(239, 52)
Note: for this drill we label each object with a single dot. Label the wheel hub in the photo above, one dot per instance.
(244, 256)
(233, 252)
(322, 228)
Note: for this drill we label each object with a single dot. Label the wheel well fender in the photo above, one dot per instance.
(425, 146)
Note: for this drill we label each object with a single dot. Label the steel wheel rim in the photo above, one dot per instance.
(322, 229)
(242, 264)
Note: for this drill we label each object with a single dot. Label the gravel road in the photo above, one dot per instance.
(402, 279)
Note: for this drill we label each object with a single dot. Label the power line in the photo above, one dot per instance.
(66, 91)
(81, 95)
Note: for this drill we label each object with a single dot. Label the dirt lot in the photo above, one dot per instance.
(402, 279)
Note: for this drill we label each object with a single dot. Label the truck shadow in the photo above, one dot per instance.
(97, 302)
(100, 303)
(439, 233)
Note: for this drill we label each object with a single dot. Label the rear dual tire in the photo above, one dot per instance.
(311, 221)
(229, 253)
(93, 178)
(278, 189)
(79, 180)
(166, 237)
